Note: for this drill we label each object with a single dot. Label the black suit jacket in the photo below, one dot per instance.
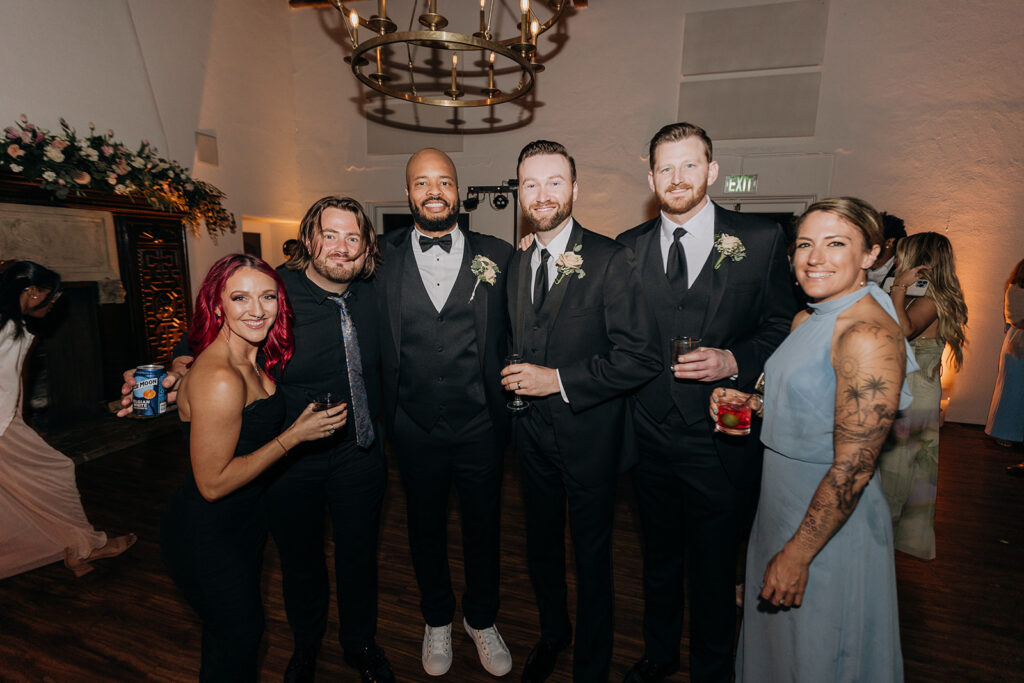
(489, 309)
(749, 313)
(599, 337)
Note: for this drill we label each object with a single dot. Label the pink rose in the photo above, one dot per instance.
(59, 144)
(112, 178)
(14, 151)
(24, 119)
(12, 133)
(82, 178)
(107, 150)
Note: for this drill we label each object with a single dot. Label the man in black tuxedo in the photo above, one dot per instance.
(883, 271)
(442, 298)
(695, 489)
(580, 322)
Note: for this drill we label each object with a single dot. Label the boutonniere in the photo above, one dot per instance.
(730, 246)
(485, 270)
(570, 263)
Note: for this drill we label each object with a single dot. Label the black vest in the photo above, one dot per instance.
(440, 373)
(534, 343)
(678, 314)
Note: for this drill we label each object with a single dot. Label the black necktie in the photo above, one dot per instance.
(540, 280)
(445, 242)
(677, 260)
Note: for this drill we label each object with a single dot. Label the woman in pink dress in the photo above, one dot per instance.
(41, 516)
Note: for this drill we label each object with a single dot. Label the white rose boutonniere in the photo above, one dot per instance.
(570, 263)
(729, 246)
(485, 270)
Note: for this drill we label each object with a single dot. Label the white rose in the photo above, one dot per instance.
(49, 176)
(16, 168)
(730, 242)
(53, 154)
(570, 260)
(90, 154)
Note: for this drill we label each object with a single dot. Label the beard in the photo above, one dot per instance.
(562, 212)
(344, 273)
(681, 205)
(442, 223)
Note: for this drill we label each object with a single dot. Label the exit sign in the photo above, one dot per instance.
(741, 183)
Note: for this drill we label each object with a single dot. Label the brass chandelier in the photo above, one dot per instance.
(431, 47)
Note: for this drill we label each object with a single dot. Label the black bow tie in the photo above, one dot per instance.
(445, 242)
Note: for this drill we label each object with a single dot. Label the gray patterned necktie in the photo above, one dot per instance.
(360, 408)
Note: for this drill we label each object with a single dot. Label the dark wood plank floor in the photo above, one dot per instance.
(961, 614)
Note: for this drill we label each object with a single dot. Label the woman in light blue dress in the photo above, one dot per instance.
(1006, 413)
(822, 540)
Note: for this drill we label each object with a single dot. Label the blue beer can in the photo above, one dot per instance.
(149, 398)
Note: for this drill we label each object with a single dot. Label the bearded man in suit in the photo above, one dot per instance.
(581, 324)
(723, 277)
(442, 303)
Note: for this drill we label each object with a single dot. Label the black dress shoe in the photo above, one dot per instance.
(542, 659)
(1016, 470)
(646, 671)
(370, 662)
(302, 666)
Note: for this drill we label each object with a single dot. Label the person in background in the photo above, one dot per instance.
(214, 526)
(41, 516)
(288, 248)
(826, 608)
(1006, 412)
(909, 464)
(883, 270)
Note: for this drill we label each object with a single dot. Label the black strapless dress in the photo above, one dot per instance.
(214, 552)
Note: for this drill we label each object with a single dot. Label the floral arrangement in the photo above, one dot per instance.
(570, 263)
(729, 246)
(485, 270)
(68, 164)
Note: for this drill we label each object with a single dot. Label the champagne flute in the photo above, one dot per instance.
(517, 404)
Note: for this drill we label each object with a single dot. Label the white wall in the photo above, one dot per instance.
(920, 110)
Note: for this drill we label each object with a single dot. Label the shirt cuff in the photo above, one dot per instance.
(734, 377)
(561, 389)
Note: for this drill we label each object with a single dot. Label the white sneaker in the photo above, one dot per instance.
(437, 649)
(493, 651)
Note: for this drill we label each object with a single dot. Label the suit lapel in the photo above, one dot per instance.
(521, 300)
(400, 254)
(557, 292)
(720, 277)
(480, 297)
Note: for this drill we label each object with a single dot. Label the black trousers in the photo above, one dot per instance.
(350, 482)
(690, 512)
(431, 463)
(548, 491)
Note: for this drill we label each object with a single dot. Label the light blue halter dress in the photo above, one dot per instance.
(847, 628)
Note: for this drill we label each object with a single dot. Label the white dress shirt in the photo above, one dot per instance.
(696, 243)
(438, 269)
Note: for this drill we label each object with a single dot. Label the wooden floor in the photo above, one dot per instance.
(962, 614)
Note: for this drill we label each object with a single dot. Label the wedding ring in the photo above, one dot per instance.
(519, 385)
(330, 431)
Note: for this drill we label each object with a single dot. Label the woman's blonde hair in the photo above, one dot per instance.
(935, 251)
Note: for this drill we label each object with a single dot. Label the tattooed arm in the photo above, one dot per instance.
(869, 361)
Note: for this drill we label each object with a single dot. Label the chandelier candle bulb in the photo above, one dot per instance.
(455, 64)
(353, 18)
(534, 30)
(490, 72)
(525, 6)
(483, 23)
